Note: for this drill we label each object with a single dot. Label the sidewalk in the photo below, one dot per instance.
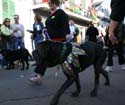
(15, 89)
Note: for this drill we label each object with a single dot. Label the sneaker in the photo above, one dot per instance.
(36, 80)
(34, 64)
(108, 68)
(123, 66)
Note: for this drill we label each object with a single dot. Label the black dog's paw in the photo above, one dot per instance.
(27, 68)
(75, 94)
(22, 69)
(13, 67)
(8, 68)
(93, 93)
(107, 84)
(54, 101)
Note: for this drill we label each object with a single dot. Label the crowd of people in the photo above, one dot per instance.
(60, 28)
(11, 36)
(97, 36)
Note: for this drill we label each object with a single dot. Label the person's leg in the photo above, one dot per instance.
(4, 62)
(110, 60)
(15, 43)
(121, 59)
(110, 57)
(37, 79)
(21, 42)
(35, 42)
(8, 42)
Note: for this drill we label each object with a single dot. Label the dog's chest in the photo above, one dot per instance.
(72, 63)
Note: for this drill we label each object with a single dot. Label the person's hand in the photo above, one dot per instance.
(31, 37)
(16, 30)
(30, 31)
(112, 29)
(113, 38)
(44, 30)
(68, 37)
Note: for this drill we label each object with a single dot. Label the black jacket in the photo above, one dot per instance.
(92, 32)
(57, 24)
(117, 7)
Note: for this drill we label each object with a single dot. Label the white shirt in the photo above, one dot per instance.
(20, 30)
(72, 30)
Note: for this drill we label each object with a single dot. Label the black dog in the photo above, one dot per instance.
(13, 55)
(73, 60)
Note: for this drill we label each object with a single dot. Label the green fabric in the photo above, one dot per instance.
(5, 30)
(72, 60)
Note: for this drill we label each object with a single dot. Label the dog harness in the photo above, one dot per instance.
(71, 63)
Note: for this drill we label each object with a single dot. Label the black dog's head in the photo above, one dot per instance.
(4, 52)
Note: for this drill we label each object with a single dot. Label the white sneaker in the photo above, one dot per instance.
(123, 66)
(36, 80)
(108, 68)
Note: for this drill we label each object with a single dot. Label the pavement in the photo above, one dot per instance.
(15, 89)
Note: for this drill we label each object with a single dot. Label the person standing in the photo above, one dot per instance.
(74, 31)
(6, 34)
(5, 38)
(38, 26)
(117, 16)
(18, 33)
(57, 26)
(57, 23)
(92, 32)
(118, 47)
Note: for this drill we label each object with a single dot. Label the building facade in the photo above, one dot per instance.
(7, 9)
(77, 10)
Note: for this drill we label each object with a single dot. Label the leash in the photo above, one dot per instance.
(61, 59)
(47, 37)
(57, 71)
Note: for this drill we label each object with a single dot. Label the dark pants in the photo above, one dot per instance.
(18, 43)
(6, 42)
(119, 51)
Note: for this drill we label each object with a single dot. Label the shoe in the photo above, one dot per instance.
(34, 64)
(123, 66)
(108, 68)
(36, 80)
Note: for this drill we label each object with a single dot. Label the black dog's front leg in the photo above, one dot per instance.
(66, 84)
(23, 64)
(95, 90)
(78, 87)
(9, 64)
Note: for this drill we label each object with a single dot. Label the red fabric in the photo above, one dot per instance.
(43, 1)
(59, 39)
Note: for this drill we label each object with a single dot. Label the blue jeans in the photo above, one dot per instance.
(18, 43)
(3, 62)
(37, 40)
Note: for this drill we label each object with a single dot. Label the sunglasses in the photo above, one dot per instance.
(16, 18)
(7, 21)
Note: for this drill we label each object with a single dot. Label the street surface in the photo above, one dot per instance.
(15, 88)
